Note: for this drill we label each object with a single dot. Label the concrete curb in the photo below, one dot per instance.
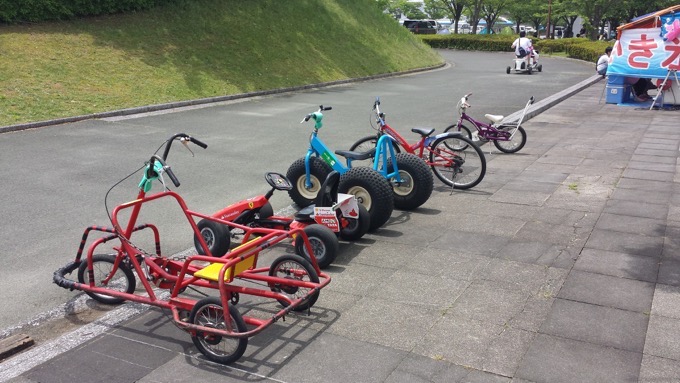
(547, 103)
(208, 100)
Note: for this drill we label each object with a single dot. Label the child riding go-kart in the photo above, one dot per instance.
(526, 57)
(524, 64)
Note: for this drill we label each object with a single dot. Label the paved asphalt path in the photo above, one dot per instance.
(54, 179)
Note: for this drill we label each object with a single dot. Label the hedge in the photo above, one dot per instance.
(578, 48)
(19, 11)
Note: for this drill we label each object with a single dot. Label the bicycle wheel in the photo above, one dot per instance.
(461, 169)
(324, 244)
(208, 312)
(417, 181)
(371, 190)
(122, 279)
(367, 144)
(519, 138)
(318, 170)
(294, 267)
(464, 130)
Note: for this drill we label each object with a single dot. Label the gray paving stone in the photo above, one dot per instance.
(671, 243)
(535, 311)
(605, 326)
(625, 243)
(450, 264)
(548, 233)
(532, 198)
(669, 272)
(652, 166)
(459, 340)
(429, 291)
(632, 224)
(652, 186)
(656, 152)
(476, 376)
(664, 176)
(653, 159)
(475, 224)
(362, 279)
(106, 358)
(388, 323)
(506, 351)
(327, 360)
(642, 195)
(180, 367)
(463, 242)
(638, 209)
(417, 368)
(668, 145)
(617, 264)
(604, 290)
(655, 370)
(532, 279)
(659, 343)
(666, 301)
(553, 359)
(485, 302)
(530, 252)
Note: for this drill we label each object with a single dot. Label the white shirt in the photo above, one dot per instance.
(602, 63)
(522, 42)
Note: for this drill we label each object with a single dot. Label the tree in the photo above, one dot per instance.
(475, 11)
(491, 9)
(519, 11)
(453, 9)
(397, 8)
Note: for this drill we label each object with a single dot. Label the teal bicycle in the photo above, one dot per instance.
(398, 180)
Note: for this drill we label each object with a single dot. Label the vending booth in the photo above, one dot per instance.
(646, 48)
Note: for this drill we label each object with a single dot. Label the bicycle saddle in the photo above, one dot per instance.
(356, 155)
(494, 117)
(423, 131)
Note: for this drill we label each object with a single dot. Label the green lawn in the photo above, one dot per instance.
(194, 50)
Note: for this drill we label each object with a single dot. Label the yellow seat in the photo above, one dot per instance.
(212, 271)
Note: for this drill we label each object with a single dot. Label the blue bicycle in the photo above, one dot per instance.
(398, 180)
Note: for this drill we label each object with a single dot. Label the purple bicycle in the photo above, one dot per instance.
(508, 137)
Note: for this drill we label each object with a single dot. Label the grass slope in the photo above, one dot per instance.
(192, 50)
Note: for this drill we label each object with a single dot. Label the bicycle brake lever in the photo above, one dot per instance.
(184, 142)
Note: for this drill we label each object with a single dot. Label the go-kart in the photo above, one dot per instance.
(331, 216)
(520, 65)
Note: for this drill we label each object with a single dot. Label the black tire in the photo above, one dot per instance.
(372, 190)
(324, 244)
(461, 169)
(294, 267)
(540, 68)
(529, 70)
(208, 312)
(417, 181)
(514, 145)
(102, 264)
(464, 130)
(356, 228)
(366, 144)
(507, 70)
(215, 235)
(296, 174)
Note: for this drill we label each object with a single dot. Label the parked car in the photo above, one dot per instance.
(422, 27)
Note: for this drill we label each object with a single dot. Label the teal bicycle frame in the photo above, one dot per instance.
(384, 148)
